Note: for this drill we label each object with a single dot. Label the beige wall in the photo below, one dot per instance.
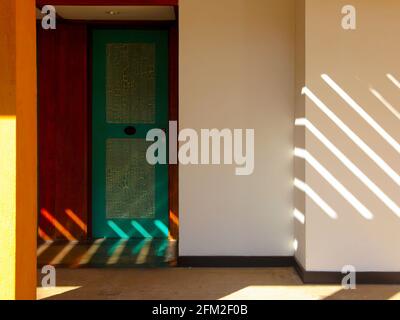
(299, 134)
(358, 61)
(237, 71)
(244, 67)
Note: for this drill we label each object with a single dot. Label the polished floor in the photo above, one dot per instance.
(201, 284)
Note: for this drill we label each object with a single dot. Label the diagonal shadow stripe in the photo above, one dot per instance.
(394, 80)
(57, 225)
(361, 112)
(302, 186)
(339, 187)
(299, 216)
(350, 166)
(386, 103)
(356, 139)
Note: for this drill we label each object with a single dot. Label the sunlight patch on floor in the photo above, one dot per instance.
(43, 293)
(315, 292)
(283, 293)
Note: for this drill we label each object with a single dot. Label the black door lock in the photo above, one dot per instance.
(130, 131)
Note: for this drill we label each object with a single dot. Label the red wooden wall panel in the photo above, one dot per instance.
(63, 141)
(173, 169)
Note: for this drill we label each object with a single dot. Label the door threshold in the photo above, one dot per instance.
(108, 253)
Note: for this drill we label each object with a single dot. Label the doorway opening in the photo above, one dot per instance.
(106, 75)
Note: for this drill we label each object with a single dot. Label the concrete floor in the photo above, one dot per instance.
(200, 284)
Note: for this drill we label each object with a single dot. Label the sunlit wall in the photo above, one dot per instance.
(350, 152)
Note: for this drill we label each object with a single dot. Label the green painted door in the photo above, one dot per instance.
(130, 97)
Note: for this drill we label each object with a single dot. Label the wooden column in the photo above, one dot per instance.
(18, 164)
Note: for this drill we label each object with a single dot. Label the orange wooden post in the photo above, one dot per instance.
(18, 145)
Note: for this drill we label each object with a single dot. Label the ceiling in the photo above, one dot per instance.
(125, 13)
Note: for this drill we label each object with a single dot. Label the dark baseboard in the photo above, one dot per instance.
(308, 277)
(323, 277)
(234, 262)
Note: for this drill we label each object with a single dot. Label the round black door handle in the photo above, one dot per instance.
(130, 131)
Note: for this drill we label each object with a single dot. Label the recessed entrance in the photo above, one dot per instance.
(104, 81)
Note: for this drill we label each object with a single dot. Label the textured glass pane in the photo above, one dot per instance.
(130, 188)
(130, 81)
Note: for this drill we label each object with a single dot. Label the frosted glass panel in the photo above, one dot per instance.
(130, 180)
(130, 81)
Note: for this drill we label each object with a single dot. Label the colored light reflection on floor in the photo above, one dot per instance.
(109, 253)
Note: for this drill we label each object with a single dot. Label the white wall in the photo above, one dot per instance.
(237, 71)
(299, 135)
(357, 60)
